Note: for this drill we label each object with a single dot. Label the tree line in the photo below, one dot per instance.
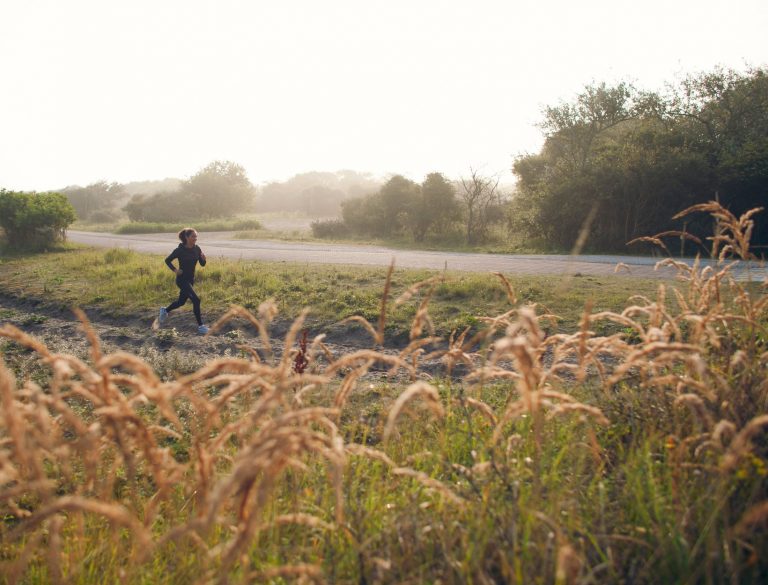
(220, 189)
(436, 207)
(618, 162)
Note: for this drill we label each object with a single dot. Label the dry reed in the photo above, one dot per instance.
(92, 450)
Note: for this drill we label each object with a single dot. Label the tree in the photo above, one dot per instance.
(480, 195)
(725, 113)
(168, 206)
(320, 200)
(100, 197)
(434, 207)
(393, 202)
(627, 161)
(360, 214)
(571, 129)
(220, 189)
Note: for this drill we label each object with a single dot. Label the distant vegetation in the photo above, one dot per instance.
(98, 202)
(315, 194)
(221, 189)
(437, 209)
(617, 164)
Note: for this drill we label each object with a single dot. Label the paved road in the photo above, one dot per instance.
(220, 244)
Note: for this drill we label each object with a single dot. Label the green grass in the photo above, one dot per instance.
(219, 225)
(124, 283)
(628, 515)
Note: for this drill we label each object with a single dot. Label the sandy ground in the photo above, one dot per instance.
(177, 347)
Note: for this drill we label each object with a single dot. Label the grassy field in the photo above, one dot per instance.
(626, 446)
(147, 227)
(123, 283)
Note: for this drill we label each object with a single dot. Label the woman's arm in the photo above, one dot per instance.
(169, 261)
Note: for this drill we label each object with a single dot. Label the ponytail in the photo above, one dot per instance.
(185, 233)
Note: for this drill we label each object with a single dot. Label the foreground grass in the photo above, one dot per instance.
(556, 459)
(123, 283)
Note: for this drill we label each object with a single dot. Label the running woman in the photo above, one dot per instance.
(188, 254)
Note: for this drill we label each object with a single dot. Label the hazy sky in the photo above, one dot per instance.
(138, 89)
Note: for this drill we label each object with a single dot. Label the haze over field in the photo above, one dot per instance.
(145, 90)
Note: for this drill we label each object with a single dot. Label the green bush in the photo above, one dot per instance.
(34, 220)
(330, 228)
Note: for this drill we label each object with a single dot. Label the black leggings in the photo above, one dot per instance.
(186, 292)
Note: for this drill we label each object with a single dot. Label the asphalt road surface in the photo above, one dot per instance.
(220, 244)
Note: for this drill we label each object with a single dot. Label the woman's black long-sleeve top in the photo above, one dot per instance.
(188, 259)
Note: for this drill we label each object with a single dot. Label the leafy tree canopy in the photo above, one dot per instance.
(617, 162)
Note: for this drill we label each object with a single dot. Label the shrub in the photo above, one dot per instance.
(329, 228)
(34, 220)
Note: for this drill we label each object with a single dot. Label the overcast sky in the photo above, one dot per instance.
(139, 89)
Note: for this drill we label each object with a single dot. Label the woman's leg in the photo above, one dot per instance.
(195, 304)
(183, 296)
(187, 292)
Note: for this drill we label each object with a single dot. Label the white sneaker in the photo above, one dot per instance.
(162, 316)
(203, 329)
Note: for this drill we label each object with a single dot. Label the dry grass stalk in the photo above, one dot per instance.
(484, 409)
(511, 296)
(93, 339)
(697, 408)
(362, 356)
(384, 298)
(303, 573)
(364, 322)
(733, 235)
(622, 266)
(754, 519)
(742, 443)
(371, 453)
(428, 392)
(422, 318)
(568, 565)
(650, 240)
(413, 289)
(349, 383)
(87, 445)
(430, 483)
(593, 411)
(267, 312)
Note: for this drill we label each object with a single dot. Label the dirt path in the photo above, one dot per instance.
(174, 348)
